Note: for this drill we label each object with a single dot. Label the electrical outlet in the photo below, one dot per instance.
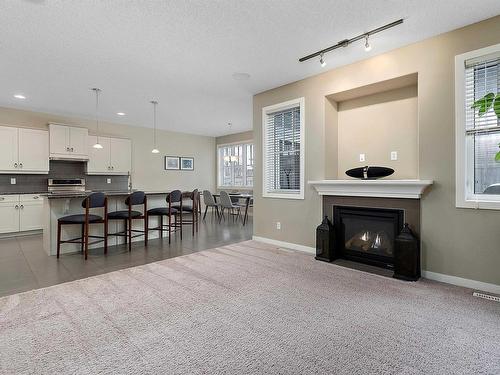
(13, 181)
(394, 155)
(108, 180)
(362, 157)
(278, 225)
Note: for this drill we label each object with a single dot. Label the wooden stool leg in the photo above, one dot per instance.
(59, 239)
(146, 229)
(205, 214)
(86, 240)
(161, 226)
(129, 234)
(83, 236)
(105, 236)
(126, 229)
(169, 228)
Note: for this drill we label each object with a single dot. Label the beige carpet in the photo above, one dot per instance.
(248, 308)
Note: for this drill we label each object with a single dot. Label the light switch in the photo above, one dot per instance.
(108, 180)
(362, 157)
(13, 181)
(394, 155)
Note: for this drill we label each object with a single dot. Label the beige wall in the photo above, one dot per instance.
(375, 125)
(147, 169)
(458, 242)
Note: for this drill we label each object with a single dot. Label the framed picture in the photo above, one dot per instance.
(187, 164)
(172, 163)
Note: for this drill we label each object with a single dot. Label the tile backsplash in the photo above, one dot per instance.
(60, 169)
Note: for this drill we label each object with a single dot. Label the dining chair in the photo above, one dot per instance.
(94, 200)
(209, 201)
(227, 204)
(174, 198)
(137, 198)
(190, 205)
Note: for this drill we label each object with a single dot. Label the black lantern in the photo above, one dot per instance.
(324, 241)
(406, 256)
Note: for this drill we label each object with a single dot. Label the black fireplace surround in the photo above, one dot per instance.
(366, 234)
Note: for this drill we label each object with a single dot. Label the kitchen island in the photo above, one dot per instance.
(59, 205)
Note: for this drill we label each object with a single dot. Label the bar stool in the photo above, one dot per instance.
(174, 198)
(94, 200)
(134, 199)
(192, 208)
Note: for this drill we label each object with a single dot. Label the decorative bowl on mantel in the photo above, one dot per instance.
(369, 172)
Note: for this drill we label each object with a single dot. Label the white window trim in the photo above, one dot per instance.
(464, 158)
(240, 187)
(274, 108)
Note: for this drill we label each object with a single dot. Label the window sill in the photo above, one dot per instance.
(479, 204)
(283, 195)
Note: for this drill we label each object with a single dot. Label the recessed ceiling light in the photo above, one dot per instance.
(120, 113)
(19, 96)
(241, 76)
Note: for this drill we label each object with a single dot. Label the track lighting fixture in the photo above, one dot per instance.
(346, 42)
(368, 47)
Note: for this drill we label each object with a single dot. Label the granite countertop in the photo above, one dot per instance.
(113, 193)
(82, 194)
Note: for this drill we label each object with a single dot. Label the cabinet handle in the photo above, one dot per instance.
(15, 165)
(2, 198)
(20, 165)
(112, 168)
(16, 207)
(22, 206)
(67, 149)
(72, 149)
(36, 197)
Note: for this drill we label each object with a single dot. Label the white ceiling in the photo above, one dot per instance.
(183, 52)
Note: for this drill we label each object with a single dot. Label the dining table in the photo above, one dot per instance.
(247, 197)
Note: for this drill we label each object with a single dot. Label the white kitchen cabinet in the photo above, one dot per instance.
(20, 213)
(8, 148)
(33, 150)
(121, 156)
(115, 157)
(24, 150)
(30, 212)
(68, 142)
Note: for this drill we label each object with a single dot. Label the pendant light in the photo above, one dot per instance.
(154, 150)
(97, 91)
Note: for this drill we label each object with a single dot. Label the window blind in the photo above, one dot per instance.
(282, 148)
(483, 132)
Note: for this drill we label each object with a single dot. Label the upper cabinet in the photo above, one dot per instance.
(68, 142)
(24, 150)
(115, 156)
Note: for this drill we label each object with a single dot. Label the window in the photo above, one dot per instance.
(477, 73)
(283, 149)
(235, 165)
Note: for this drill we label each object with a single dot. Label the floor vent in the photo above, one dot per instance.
(486, 296)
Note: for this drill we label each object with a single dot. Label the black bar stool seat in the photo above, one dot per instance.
(92, 201)
(137, 198)
(162, 211)
(123, 214)
(79, 219)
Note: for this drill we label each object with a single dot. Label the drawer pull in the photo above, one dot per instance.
(2, 198)
(36, 197)
(15, 165)
(16, 207)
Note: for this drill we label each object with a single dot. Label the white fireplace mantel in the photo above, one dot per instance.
(412, 189)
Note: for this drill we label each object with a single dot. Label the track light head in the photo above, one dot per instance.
(368, 47)
(322, 61)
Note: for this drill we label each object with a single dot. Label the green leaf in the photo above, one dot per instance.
(484, 104)
(497, 156)
(496, 105)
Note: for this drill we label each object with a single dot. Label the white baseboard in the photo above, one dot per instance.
(288, 245)
(454, 280)
(467, 283)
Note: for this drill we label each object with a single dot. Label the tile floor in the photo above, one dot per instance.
(25, 266)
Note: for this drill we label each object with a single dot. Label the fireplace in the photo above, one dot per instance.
(367, 234)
